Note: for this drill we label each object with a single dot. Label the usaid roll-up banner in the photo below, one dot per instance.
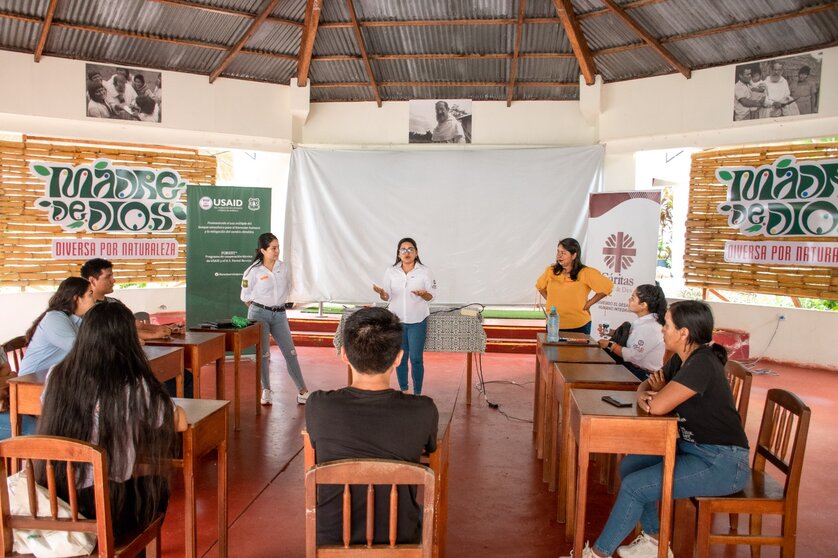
(622, 243)
(223, 224)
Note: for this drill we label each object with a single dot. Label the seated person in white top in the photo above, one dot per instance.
(644, 350)
(53, 333)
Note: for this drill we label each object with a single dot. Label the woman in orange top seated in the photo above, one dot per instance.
(567, 285)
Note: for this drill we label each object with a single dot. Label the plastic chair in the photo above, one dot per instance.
(782, 443)
(72, 453)
(370, 472)
(143, 317)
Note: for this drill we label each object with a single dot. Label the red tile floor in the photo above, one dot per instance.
(498, 506)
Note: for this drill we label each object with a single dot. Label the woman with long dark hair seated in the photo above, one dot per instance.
(104, 392)
(52, 334)
(712, 452)
(567, 284)
(642, 350)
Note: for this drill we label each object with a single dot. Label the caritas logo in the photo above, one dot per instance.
(619, 252)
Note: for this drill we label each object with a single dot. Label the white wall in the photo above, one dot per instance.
(48, 99)
(655, 113)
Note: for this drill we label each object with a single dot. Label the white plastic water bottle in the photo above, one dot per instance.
(553, 326)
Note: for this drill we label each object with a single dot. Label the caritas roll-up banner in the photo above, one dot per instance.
(622, 243)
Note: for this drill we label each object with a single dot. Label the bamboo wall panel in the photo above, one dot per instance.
(26, 233)
(707, 230)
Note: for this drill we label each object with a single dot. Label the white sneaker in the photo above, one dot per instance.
(642, 547)
(302, 398)
(266, 397)
(587, 552)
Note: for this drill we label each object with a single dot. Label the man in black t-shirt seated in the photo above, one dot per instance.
(369, 419)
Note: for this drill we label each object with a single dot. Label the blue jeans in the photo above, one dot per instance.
(413, 345)
(581, 329)
(28, 425)
(276, 324)
(700, 470)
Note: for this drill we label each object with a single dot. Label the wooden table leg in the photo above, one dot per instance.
(222, 494)
(196, 371)
(468, 379)
(237, 352)
(570, 487)
(220, 388)
(189, 506)
(536, 401)
(259, 372)
(581, 494)
(666, 498)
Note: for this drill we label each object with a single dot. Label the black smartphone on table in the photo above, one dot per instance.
(616, 402)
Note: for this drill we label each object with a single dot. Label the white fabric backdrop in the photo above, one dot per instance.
(486, 222)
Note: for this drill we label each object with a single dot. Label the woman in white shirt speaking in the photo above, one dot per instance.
(409, 286)
(265, 287)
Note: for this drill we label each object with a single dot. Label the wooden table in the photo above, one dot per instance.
(437, 461)
(199, 348)
(206, 431)
(166, 363)
(25, 391)
(570, 376)
(597, 427)
(543, 403)
(236, 339)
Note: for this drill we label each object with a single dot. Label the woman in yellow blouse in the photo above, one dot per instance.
(567, 284)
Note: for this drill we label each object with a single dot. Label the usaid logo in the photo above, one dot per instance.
(207, 202)
(619, 252)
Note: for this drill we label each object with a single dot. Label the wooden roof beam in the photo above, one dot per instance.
(190, 4)
(42, 40)
(333, 85)
(436, 56)
(254, 25)
(626, 6)
(307, 40)
(577, 39)
(359, 36)
(514, 68)
(647, 37)
(726, 28)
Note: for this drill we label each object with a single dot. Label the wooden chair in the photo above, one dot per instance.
(71, 453)
(781, 442)
(370, 472)
(143, 317)
(740, 379)
(14, 349)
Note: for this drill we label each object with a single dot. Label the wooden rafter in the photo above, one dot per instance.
(254, 25)
(42, 40)
(626, 6)
(333, 85)
(727, 28)
(514, 67)
(191, 4)
(307, 40)
(647, 37)
(359, 36)
(436, 56)
(577, 39)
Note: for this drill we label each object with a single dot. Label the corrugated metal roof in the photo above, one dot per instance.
(441, 70)
(19, 35)
(261, 68)
(694, 32)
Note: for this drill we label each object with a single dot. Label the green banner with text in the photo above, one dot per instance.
(223, 224)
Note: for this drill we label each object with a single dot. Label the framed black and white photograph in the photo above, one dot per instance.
(780, 87)
(440, 121)
(123, 93)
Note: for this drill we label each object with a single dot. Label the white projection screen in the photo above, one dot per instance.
(486, 222)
